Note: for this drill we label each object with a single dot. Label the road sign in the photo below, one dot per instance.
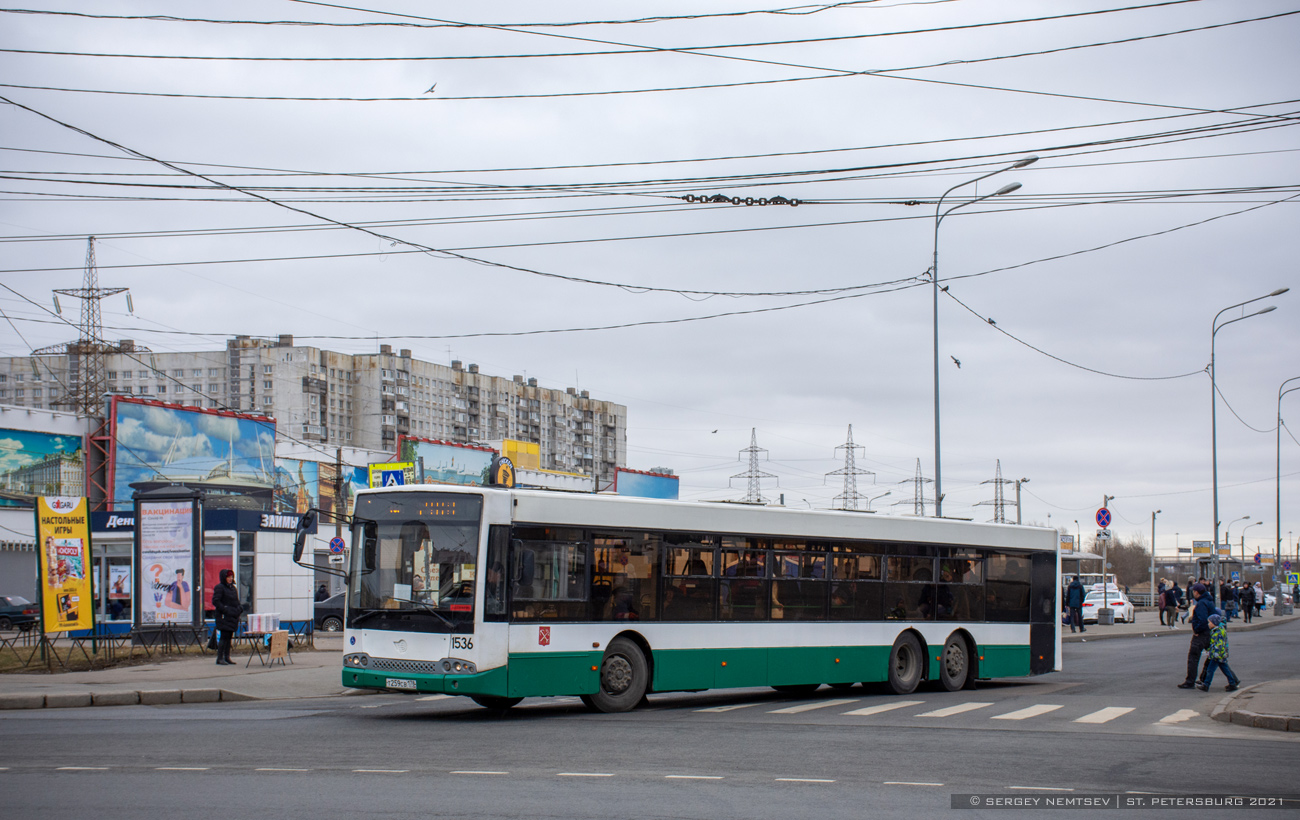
(337, 545)
(1258, 559)
(1103, 535)
(336, 559)
(1184, 550)
(1293, 578)
(1236, 576)
(1103, 518)
(1286, 565)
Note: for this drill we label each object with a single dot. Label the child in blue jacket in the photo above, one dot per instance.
(1218, 656)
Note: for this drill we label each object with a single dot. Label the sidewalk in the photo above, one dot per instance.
(1273, 704)
(1147, 625)
(312, 673)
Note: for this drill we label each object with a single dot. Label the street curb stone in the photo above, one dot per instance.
(1224, 713)
(200, 695)
(158, 697)
(22, 701)
(115, 698)
(67, 700)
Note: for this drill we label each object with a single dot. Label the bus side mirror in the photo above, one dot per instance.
(369, 546)
(306, 523)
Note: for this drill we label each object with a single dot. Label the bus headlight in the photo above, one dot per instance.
(357, 660)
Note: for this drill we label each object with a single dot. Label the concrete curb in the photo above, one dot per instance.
(1224, 713)
(1164, 631)
(147, 697)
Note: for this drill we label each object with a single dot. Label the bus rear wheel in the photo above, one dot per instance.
(497, 704)
(905, 661)
(954, 664)
(624, 678)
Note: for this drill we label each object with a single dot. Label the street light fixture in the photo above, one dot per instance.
(1243, 542)
(1215, 327)
(882, 495)
(1019, 481)
(1153, 557)
(1282, 390)
(939, 214)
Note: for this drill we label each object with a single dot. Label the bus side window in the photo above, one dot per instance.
(495, 598)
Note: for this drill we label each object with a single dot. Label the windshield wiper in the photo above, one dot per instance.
(356, 619)
(429, 608)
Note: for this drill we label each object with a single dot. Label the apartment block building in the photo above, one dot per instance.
(350, 400)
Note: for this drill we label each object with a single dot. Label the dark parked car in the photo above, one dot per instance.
(329, 613)
(17, 611)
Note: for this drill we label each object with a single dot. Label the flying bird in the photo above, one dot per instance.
(956, 361)
(430, 91)
(715, 431)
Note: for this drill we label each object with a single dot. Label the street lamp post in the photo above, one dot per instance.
(1282, 390)
(1019, 481)
(1215, 327)
(882, 495)
(1153, 556)
(939, 214)
(1243, 541)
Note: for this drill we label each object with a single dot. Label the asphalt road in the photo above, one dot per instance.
(1113, 723)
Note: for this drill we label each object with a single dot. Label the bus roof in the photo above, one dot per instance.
(591, 510)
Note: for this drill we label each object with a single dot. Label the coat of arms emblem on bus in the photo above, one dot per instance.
(543, 636)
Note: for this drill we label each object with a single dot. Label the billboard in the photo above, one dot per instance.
(645, 485)
(63, 533)
(165, 548)
(447, 463)
(33, 463)
(1066, 543)
(230, 457)
(297, 485)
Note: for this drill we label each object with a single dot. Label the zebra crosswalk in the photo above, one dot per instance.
(947, 711)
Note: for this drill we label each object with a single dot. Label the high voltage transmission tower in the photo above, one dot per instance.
(754, 476)
(86, 383)
(918, 491)
(848, 500)
(999, 498)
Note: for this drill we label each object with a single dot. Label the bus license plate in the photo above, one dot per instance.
(398, 683)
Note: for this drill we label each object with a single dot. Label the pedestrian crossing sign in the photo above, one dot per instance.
(391, 475)
(1293, 578)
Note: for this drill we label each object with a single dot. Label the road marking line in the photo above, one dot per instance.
(181, 768)
(727, 708)
(82, 769)
(472, 772)
(1028, 712)
(435, 697)
(1105, 715)
(885, 707)
(1179, 716)
(949, 711)
(1040, 788)
(584, 774)
(692, 777)
(909, 783)
(808, 707)
(381, 771)
(275, 769)
(802, 780)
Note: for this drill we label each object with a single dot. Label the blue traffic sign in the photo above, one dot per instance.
(337, 545)
(392, 478)
(1103, 517)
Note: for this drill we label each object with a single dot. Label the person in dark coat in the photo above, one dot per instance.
(1247, 603)
(1202, 608)
(1074, 602)
(225, 600)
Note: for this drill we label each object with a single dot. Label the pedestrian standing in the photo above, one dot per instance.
(1074, 602)
(1247, 603)
(1160, 601)
(1184, 601)
(1218, 656)
(225, 600)
(1202, 609)
(1171, 606)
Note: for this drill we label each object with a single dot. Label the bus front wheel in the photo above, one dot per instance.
(624, 677)
(905, 661)
(497, 704)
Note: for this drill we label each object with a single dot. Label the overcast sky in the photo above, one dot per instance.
(1163, 193)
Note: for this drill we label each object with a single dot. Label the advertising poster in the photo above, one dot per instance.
(63, 533)
(166, 534)
(228, 456)
(119, 582)
(297, 485)
(645, 485)
(448, 463)
(35, 464)
(354, 479)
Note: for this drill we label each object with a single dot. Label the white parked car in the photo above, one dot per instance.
(1115, 600)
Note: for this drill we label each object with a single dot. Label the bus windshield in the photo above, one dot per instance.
(413, 567)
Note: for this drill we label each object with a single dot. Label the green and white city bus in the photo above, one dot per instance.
(502, 594)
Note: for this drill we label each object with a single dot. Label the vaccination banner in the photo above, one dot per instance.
(165, 532)
(63, 531)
